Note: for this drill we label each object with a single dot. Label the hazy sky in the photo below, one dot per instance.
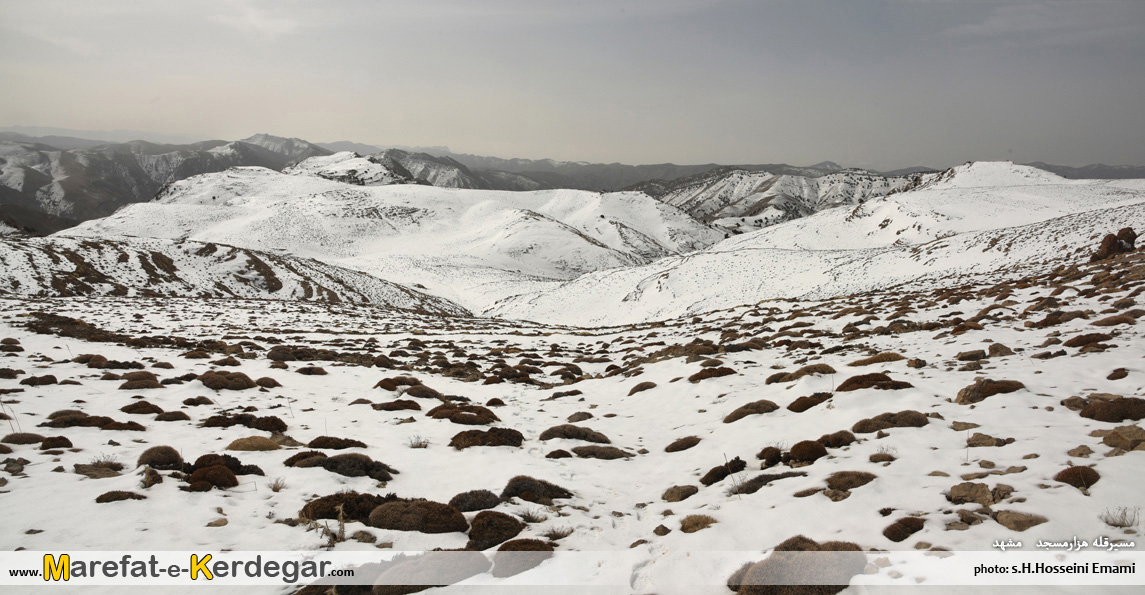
(878, 84)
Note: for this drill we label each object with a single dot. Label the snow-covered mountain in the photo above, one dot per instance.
(739, 200)
(469, 246)
(145, 267)
(293, 149)
(979, 220)
(50, 189)
(352, 168)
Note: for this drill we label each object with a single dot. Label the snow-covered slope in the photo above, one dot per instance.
(469, 246)
(982, 219)
(742, 200)
(352, 168)
(62, 266)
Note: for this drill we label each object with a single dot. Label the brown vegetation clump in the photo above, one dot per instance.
(1087, 339)
(1115, 320)
(643, 386)
(903, 419)
(1078, 477)
(354, 506)
(306, 455)
(696, 522)
(268, 382)
(393, 384)
(39, 380)
(800, 373)
(678, 493)
(753, 408)
(474, 500)
(754, 484)
(118, 495)
(54, 442)
(804, 403)
(311, 371)
(719, 472)
(533, 490)
(876, 380)
(710, 373)
(490, 528)
(172, 416)
(124, 426)
(807, 451)
(253, 443)
(397, 405)
(770, 455)
(421, 391)
(886, 356)
(849, 480)
(216, 475)
(216, 380)
(162, 458)
(1115, 411)
(418, 515)
(22, 438)
(357, 465)
(787, 572)
(682, 444)
(559, 453)
(466, 415)
(334, 443)
(141, 408)
(492, 437)
(573, 432)
(604, 453)
(903, 528)
(519, 555)
(195, 402)
(984, 388)
(837, 440)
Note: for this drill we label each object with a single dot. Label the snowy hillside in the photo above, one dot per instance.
(980, 221)
(742, 200)
(294, 149)
(471, 247)
(60, 266)
(352, 168)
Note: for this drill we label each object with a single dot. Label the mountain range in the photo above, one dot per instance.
(52, 182)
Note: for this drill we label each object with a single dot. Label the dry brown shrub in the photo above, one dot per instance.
(754, 408)
(696, 522)
(1078, 477)
(886, 356)
(419, 515)
(682, 444)
(574, 432)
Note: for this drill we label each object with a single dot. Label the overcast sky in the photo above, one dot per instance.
(881, 84)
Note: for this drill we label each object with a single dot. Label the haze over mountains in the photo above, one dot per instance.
(53, 182)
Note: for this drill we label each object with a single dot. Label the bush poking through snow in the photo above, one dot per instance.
(806, 452)
(253, 443)
(696, 522)
(1078, 477)
(682, 444)
(216, 380)
(519, 555)
(535, 490)
(1122, 517)
(793, 574)
(719, 472)
(886, 356)
(162, 458)
(118, 495)
(22, 438)
(876, 380)
(884, 421)
(334, 443)
(490, 528)
(804, 403)
(354, 506)
(573, 432)
(903, 528)
(423, 516)
(849, 480)
(754, 408)
(474, 500)
(491, 437)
